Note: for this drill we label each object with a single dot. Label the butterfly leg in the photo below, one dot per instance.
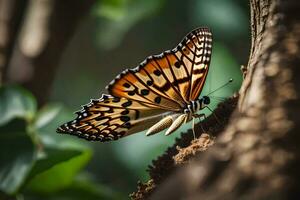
(193, 128)
(199, 116)
(217, 119)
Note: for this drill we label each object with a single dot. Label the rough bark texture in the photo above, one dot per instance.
(257, 155)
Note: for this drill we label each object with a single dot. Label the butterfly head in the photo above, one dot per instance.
(206, 100)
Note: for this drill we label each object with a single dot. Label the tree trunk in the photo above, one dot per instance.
(11, 13)
(33, 35)
(257, 155)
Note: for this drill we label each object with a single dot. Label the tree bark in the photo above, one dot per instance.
(257, 155)
(11, 13)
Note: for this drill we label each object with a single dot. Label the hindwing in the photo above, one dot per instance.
(110, 118)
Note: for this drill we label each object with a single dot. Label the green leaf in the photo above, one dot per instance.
(16, 102)
(81, 188)
(58, 160)
(46, 115)
(63, 155)
(17, 108)
(51, 157)
(17, 156)
(59, 176)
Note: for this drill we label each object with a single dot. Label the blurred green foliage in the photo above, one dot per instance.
(37, 163)
(34, 160)
(119, 16)
(225, 18)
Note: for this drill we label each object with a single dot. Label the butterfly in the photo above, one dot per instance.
(161, 93)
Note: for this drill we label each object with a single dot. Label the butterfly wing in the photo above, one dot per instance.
(141, 96)
(197, 57)
(110, 118)
(194, 55)
(171, 79)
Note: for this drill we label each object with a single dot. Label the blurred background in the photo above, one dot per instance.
(56, 55)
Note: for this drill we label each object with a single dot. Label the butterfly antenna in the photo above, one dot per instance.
(218, 98)
(210, 81)
(225, 84)
(200, 122)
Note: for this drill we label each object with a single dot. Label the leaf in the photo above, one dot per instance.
(16, 156)
(17, 107)
(46, 115)
(59, 160)
(50, 158)
(81, 188)
(16, 102)
(63, 156)
(59, 176)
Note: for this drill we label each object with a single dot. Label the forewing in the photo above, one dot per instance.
(150, 82)
(197, 52)
(111, 118)
(171, 79)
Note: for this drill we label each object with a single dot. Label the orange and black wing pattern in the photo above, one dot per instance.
(110, 118)
(176, 76)
(140, 97)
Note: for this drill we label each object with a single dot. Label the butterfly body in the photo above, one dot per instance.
(194, 106)
(162, 92)
(173, 121)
